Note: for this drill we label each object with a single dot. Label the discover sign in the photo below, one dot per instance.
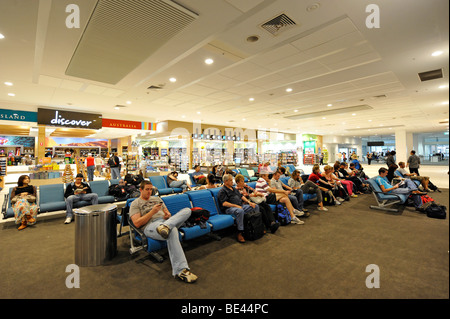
(69, 119)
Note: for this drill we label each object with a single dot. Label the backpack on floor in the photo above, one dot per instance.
(282, 215)
(328, 199)
(434, 210)
(253, 225)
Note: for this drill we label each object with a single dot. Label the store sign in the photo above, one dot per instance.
(132, 125)
(22, 116)
(69, 119)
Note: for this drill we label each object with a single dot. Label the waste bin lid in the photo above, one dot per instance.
(95, 209)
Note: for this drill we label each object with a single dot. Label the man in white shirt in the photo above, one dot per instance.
(424, 180)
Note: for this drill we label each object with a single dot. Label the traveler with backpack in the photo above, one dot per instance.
(232, 202)
(114, 164)
(150, 214)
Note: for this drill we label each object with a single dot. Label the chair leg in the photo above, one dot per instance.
(384, 208)
(214, 236)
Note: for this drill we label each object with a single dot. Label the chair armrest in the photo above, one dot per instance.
(5, 205)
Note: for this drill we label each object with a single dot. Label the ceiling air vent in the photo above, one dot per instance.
(278, 24)
(156, 87)
(430, 75)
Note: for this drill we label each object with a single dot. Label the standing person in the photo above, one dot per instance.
(23, 200)
(150, 214)
(413, 163)
(321, 156)
(76, 192)
(90, 166)
(390, 160)
(98, 164)
(114, 164)
(369, 158)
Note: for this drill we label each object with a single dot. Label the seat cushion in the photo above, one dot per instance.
(221, 221)
(195, 231)
(52, 206)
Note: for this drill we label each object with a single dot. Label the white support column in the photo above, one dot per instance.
(403, 144)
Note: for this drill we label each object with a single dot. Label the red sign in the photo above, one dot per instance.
(122, 124)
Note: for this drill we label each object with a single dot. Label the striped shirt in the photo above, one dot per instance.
(262, 186)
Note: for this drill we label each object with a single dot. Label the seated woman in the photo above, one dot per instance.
(211, 181)
(23, 199)
(347, 183)
(338, 189)
(174, 182)
(266, 212)
(295, 182)
(316, 177)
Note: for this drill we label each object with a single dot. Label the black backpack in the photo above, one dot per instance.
(328, 199)
(434, 210)
(199, 216)
(253, 225)
(119, 192)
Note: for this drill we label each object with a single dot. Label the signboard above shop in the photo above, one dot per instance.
(61, 118)
(21, 116)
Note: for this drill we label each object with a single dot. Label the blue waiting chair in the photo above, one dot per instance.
(161, 185)
(385, 200)
(205, 200)
(177, 202)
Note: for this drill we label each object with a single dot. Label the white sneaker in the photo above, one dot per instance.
(340, 199)
(68, 220)
(323, 209)
(337, 203)
(297, 221)
(298, 212)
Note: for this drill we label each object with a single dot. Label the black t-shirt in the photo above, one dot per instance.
(232, 196)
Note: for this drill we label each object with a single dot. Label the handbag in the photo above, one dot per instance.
(257, 199)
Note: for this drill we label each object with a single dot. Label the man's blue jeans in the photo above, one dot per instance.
(176, 253)
(238, 214)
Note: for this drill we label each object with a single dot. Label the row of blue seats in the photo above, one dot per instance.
(206, 199)
(50, 198)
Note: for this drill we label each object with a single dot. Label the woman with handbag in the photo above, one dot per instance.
(23, 199)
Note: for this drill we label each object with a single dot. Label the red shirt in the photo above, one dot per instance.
(314, 177)
(90, 161)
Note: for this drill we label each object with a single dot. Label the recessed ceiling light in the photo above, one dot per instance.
(295, 111)
(209, 61)
(445, 103)
(199, 112)
(252, 38)
(128, 102)
(173, 80)
(117, 108)
(183, 116)
(12, 94)
(324, 118)
(440, 86)
(329, 104)
(370, 120)
(354, 114)
(289, 90)
(8, 83)
(244, 119)
(436, 53)
(2, 36)
(251, 99)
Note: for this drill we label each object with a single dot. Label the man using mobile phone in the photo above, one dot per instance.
(149, 214)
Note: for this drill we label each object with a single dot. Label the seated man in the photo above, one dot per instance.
(275, 196)
(424, 180)
(406, 187)
(296, 197)
(76, 192)
(149, 214)
(199, 177)
(232, 202)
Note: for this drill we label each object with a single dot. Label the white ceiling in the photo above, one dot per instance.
(329, 57)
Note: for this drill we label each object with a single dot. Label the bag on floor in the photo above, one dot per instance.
(434, 210)
(282, 215)
(253, 225)
(328, 199)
